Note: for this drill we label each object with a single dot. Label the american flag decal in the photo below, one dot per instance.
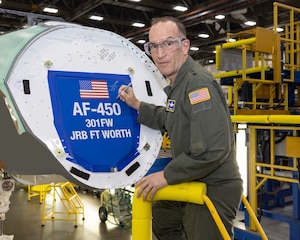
(199, 95)
(93, 89)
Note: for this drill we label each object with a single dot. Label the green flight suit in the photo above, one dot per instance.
(198, 122)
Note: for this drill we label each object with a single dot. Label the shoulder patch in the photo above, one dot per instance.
(199, 95)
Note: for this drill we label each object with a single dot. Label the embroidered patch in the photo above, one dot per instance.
(199, 95)
(170, 105)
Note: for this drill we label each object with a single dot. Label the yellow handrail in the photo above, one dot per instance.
(254, 218)
(266, 119)
(192, 192)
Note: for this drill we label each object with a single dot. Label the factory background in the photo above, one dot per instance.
(252, 48)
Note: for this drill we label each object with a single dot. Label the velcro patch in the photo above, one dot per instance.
(199, 95)
(170, 107)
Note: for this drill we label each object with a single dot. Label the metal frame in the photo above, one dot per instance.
(256, 180)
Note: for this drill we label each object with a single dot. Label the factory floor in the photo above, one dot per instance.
(24, 221)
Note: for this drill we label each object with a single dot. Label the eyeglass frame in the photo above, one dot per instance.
(163, 44)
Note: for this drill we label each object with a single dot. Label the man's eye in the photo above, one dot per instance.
(153, 46)
(169, 43)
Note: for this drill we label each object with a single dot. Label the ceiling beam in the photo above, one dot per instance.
(84, 8)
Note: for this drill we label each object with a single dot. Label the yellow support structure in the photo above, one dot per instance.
(240, 72)
(290, 38)
(71, 204)
(166, 143)
(274, 170)
(192, 192)
(38, 190)
(266, 119)
(276, 56)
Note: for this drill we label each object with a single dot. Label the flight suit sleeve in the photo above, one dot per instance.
(211, 141)
(152, 116)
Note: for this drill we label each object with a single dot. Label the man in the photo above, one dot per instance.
(198, 122)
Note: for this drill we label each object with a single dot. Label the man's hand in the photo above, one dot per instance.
(126, 94)
(150, 184)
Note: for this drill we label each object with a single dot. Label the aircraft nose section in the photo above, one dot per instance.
(60, 83)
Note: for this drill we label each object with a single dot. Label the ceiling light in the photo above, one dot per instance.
(250, 23)
(95, 17)
(180, 8)
(203, 35)
(140, 25)
(231, 40)
(194, 48)
(50, 10)
(135, 0)
(220, 17)
(141, 41)
(210, 61)
(279, 29)
(0, 1)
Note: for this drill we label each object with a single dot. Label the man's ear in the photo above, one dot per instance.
(186, 45)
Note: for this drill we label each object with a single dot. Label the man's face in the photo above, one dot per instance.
(168, 50)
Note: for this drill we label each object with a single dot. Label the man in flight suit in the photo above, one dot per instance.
(198, 122)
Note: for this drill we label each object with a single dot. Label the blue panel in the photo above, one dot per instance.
(97, 130)
(240, 234)
(159, 165)
(297, 77)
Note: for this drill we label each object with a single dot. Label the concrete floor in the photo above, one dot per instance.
(24, 221)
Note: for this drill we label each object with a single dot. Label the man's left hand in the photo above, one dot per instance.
(150, 184)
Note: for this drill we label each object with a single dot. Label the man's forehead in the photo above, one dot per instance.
(163, 30)
(162, 40)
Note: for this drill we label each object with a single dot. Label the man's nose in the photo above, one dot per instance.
(160, 50)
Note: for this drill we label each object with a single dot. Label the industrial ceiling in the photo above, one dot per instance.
(119, 15)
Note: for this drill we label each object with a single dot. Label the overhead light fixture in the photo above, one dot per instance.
(203, 35)
(135, 0)
(250, 23)
(279, 29)
(0, 1)
(231, 40)
(220, 16)
(50, 10)
(140, 25)
(194, 48)
(210, 61)
(180, 8)
(96, 18)
(141, 41)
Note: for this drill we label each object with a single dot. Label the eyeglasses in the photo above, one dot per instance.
(170, 44)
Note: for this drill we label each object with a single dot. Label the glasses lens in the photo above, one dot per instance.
(147, 48)
(168, 44)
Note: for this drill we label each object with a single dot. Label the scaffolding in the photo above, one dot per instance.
(281, 167)
(262, 64)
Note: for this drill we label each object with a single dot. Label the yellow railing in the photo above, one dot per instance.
(192, 192)
(269, 96)
(271, 170)
(290, 38)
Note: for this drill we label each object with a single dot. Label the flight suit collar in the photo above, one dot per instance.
(188, 64)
